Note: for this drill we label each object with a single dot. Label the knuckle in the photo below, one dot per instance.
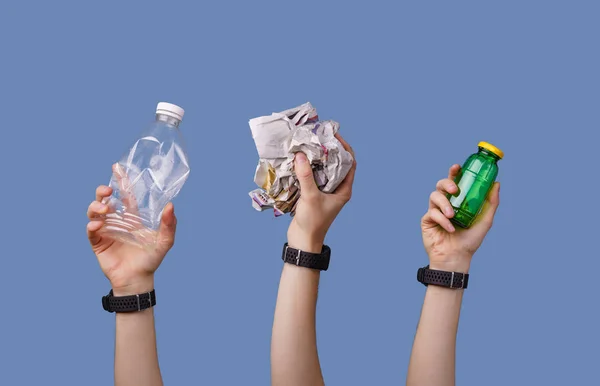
(426, 217)
(304, 174)
(444, 185)
(168, 241)
(310, 195)
(346, 197)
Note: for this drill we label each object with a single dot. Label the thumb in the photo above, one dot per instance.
(304, 173)
(168, 225)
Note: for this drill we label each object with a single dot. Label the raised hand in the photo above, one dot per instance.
(450, 248)
(316, 210)
(129, 268)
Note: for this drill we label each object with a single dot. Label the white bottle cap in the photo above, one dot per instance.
(170, 109)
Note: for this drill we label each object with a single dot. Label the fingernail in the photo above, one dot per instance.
(451, 228)
(448, 211)
(300, 158)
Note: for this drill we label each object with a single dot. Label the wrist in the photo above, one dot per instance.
(134, 287)
(304, 241)
(459, 265)
(306, 244)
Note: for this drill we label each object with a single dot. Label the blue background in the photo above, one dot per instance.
(415, 86)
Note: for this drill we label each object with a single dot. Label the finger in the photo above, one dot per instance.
(345, 144)
(446, 186)
(125, 189)
(434, 218)
(96, 210)
(453, 172)
(168, 216)
(92, 231)
(168, 225)
(345, 187)
(490, 206)
(103, 191)
(438, 200)
(304, 173)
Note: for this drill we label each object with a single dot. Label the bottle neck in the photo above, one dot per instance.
(489, 154)
(168, 120)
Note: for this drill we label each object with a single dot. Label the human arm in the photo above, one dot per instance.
(432, 361)
(136, 354)
(130, 271)
(294, 356)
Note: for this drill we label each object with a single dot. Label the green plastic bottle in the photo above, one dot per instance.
(474, 182)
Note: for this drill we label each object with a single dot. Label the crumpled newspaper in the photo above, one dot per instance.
(278, 137)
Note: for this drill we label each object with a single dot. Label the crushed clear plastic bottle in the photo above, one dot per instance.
(147, 178)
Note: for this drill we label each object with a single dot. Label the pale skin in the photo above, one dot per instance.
(130, 271)
(294, 356)
(432, 362)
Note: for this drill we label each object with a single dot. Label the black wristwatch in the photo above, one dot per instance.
(130, 303)
(453, 280)
(319, 261)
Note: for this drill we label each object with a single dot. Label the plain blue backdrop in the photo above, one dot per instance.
(415, 86)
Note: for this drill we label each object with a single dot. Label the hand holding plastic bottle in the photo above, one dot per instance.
(451, 249)
(316, 210)
(129, 267)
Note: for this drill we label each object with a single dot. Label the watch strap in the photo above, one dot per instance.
(130, 303)
(319, 261)
(453, 280)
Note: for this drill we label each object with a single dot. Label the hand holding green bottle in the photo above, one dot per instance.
(451, 249)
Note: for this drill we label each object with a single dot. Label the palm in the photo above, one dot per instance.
(120, 261)
(317, 213)
(439, 243)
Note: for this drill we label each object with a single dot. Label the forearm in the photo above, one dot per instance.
(294, 357)
(432, 361)
(136, 357)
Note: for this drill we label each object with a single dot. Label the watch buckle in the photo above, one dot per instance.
(462, 283)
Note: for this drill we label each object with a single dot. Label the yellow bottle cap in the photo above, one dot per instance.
(491, 148)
